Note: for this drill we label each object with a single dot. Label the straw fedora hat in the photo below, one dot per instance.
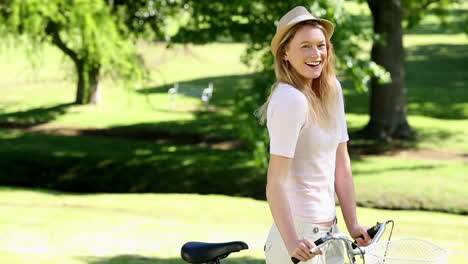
(294, 16)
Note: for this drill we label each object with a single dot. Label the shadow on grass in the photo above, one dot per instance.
(190, 156)
(225, 88)
(374, 171)
(24, 119)
(207, 128)
(92, 164)
(436, 82)
(359, 146)
(137, 259)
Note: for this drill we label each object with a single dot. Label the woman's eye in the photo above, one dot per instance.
(307, 46)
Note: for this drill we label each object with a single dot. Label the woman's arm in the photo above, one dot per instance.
(280, 210)
(344, 188)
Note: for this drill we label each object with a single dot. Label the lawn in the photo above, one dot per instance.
(151, 228)
(136, 143)
(53, 87)
(134, 132)
(52, 227)
(84, 163)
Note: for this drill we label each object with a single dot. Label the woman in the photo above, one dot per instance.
(309, 157)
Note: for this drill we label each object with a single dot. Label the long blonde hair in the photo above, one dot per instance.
(321, 95)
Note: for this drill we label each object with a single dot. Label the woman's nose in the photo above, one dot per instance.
(314, 52)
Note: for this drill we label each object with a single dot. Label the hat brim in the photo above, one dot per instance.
(329, 28)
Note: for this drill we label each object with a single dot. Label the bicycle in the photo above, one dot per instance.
(401, 251)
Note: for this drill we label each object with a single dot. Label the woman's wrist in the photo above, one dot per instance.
(352, 226)
(291, 240)
(291, 245)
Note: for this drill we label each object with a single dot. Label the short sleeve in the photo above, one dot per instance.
(343, 136)
(286, 116)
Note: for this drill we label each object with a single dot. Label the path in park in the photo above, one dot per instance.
(57, 129)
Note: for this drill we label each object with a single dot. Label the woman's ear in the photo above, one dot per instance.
(285, 56)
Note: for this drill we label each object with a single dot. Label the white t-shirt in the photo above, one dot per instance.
(310, 183)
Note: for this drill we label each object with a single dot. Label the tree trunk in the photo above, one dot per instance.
(388, 108)
(95, 96)
(81, 84)
(87, 87)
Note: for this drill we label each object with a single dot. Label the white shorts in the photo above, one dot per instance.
(276, 252)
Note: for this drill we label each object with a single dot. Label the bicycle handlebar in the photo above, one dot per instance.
(319, 243)
(374, 232)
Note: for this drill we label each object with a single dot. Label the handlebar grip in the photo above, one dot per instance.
(371, 232)
(295, 260)
(316, 242)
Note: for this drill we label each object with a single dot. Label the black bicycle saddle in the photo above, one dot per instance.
(199, 252)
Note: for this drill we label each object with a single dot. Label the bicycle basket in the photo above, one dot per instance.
(405, 251)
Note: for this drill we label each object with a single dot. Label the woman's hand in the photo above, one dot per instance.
(360, 234)
(300, 249)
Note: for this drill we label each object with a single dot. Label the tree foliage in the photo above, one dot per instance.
(149, 19)
(254, 22)
(414, 11)
(98, 36)
(85, 31)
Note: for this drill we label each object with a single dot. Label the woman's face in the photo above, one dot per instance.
(307, 52)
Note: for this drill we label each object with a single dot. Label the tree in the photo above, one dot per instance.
(253, 22)
(388, 107)
(85, 31)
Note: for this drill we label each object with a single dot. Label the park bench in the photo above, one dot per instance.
(202, 92)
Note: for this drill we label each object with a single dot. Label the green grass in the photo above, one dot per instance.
(411, 184)
(84, 163)
(51, 227)
(196, 66)
(439, 134)
(436, 84)
(166, 151)
(153, 148)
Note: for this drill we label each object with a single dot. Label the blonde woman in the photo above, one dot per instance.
(308, 144)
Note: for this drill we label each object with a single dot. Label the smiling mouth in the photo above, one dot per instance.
(314, 65)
